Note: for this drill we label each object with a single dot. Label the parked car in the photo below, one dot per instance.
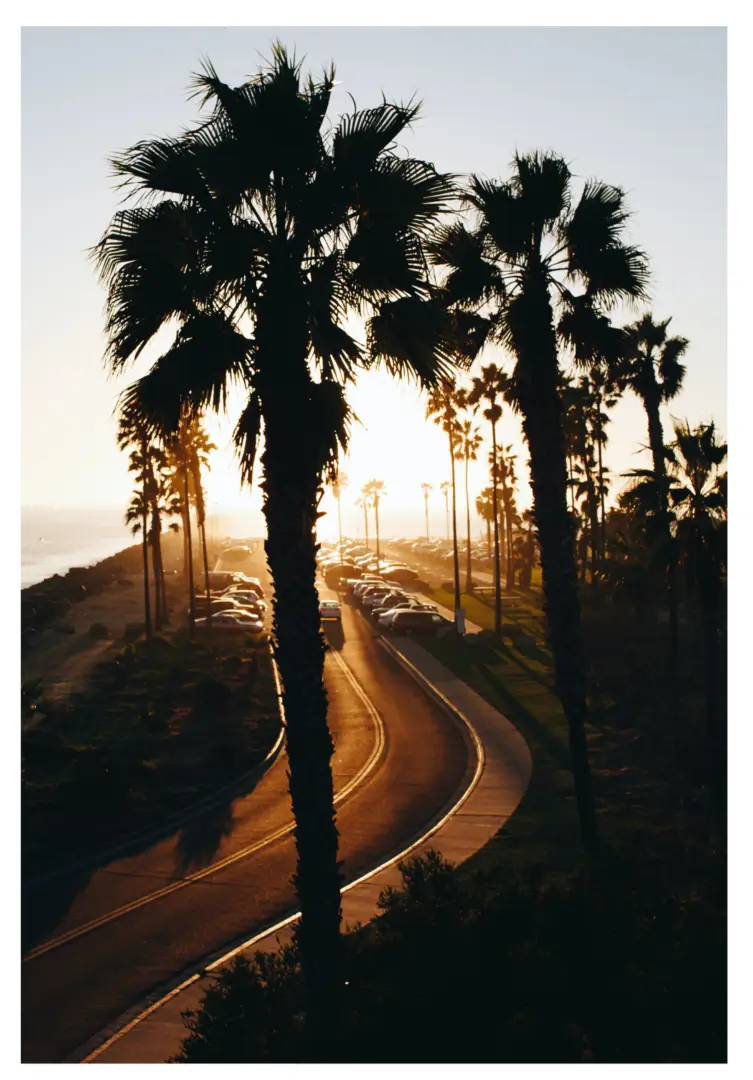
(250, 585)
(417, 622)
(330, 609)
(234, 622)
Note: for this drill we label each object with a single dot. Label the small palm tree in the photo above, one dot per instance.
(338, 485)
(469, 440)
(363, 502)
(490, 388)
(133, 431)
(485, 510)
(375, 492)
(653, 371)
(443, 405)
(445, 488)
(698, 497)
(427, 489)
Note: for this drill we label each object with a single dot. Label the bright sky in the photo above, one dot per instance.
(641, 108)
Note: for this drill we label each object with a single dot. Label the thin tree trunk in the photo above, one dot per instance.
(541, 407)
(497, 567)
(599, 436)
(340, 527)
(376, 526)
(468, 568)
(163, 587)
(656, 442)
(156, 571)
(488, 538)
(366, 522)
(191, 597)
(591, 510)
(455, 558)
(507, 501)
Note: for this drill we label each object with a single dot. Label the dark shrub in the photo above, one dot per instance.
(98, 631)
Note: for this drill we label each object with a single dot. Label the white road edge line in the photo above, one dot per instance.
(459, 719)
(181, 883)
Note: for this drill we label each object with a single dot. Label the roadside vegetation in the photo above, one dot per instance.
(158, 726)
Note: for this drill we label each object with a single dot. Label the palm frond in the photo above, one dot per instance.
(505, 221)
(246, 438)
(414, 339)
(361, 136)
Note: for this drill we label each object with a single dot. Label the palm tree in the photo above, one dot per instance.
(443, 405)
(263, 226)
(490, 388)
(530, 249)
(339, 483)
(698, 496)
(655, 375)
(133, 431)
(375, 491)
(197, 448)
(364, 503)
(426, 488)
(506, 468)
(444, 487)
(469, 440)
(178, 450)
(485, 510)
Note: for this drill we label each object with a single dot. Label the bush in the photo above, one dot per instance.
(606, 965)
(98, 631)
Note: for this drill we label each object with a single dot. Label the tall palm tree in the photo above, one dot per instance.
(375, 492)
(654, 373)
(508, 481)
(262, 227)
(444, 403)
(532, 247)
(197, 447)
(445, 487)
(490, 388)
(427, 489)
(177, 446)
(469, 440)
(137, 516)
(338, 485)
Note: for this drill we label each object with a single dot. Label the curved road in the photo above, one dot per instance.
(139, 921)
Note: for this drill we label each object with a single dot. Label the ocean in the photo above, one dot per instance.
(53, 540)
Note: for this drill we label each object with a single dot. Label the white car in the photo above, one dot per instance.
(330, 609)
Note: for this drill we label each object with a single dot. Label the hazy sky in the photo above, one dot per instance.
(641, 108)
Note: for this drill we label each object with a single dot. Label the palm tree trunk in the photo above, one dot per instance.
(340, 527)
(455, 558)
(153, 541)
(468, 568)
(191, 597)
(656, 442)
(599, 434)
(591, 509)
(507, 501)
(160, 560)
(495, 509)
(376, 526)
(291, 497)
(488, 538)
(201, 519)
(366, 522)
(540, 403)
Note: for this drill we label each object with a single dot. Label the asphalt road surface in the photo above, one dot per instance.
(110, 936)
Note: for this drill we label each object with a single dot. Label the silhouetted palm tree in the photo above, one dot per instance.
(490, 388)
(698, 497)
(531, 247)
(654, 373)
(338, 485)
(443, 405)
(363, 502)
(375, 491)
(426, 488)
(197, 447)
(445, 487)
(264, 218)
(133, 431)
(469, 440)
(485, 510)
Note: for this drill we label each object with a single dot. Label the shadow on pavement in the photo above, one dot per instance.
(334, 634)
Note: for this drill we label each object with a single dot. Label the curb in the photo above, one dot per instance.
(178, 817)
(90, 1051)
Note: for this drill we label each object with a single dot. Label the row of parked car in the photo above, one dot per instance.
(355, 560)
(442, 549)
(393, 609)
(236, 602)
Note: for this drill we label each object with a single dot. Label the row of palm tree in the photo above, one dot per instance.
(168, 474)
(257, 232)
